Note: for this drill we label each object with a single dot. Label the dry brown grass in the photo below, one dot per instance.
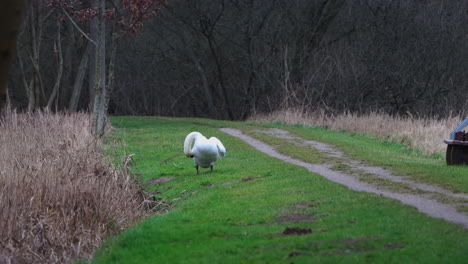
(58, 197)
(426, 134)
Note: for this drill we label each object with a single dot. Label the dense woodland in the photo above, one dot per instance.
(228, 59)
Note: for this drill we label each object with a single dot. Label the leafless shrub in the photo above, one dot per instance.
(58, 197)
(426, 134)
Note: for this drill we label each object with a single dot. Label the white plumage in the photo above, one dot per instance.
(205, 151)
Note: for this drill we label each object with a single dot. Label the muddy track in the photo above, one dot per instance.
(425, 197)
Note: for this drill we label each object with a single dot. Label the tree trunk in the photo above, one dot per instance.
(111, 75)
(205, 85)
(7, 92)
(35, 21)
(93, 30)
(99, 113)
(69, 57)
(53, 95)
(28, 86)
(10, 22)
(77, 85)
(221, 78)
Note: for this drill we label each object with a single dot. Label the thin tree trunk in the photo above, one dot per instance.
(205, 85)
(27, 86)
(36, 20)
(78, 83)
(111, 71)
(69, 54)
(208, 95)
(99, 115)
(10, 22)
(110, 75)
(93, 29)
(221, 79)
(53, 95)
(7, 92)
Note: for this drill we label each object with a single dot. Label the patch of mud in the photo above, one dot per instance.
(393, 246)
(354, 245)
(303, 205)
(165, 161)
(228, 183)
(211, 185)
(294, 254)
(233, 182)
(422, 202)
(159, 180)
(250, 178)
(296, 231)
(295, 218)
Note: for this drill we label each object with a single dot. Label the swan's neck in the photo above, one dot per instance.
(189, 141)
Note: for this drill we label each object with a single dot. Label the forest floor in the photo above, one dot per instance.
(342, 169)
(352, 199)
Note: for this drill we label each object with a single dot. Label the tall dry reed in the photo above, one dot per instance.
(58, 198)
(426, 134)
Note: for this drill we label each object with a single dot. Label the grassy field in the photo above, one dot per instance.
(220, 218)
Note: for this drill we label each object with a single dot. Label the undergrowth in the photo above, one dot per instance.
(58, 197)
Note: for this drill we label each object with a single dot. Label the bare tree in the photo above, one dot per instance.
(10, 21)
(229, 58)
(79, 78)
(59, 54)
(99, 116)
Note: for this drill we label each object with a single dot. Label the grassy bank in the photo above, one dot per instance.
(256, 209)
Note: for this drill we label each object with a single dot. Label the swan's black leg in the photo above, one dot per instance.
(196, 166)
(211, 168)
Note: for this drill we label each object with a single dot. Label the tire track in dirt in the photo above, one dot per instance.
(421, 201)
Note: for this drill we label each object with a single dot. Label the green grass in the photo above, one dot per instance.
(242, 222)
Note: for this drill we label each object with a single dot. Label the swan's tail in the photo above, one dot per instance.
(189, 142)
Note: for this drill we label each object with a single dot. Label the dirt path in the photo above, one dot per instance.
(432, 200)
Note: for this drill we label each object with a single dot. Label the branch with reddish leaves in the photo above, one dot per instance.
(134, 12)
(128, 14)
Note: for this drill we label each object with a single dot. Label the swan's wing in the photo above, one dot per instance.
(219, 145)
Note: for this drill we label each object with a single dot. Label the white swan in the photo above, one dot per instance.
(205, 151)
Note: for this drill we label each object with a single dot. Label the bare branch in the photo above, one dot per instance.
(79, 29)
